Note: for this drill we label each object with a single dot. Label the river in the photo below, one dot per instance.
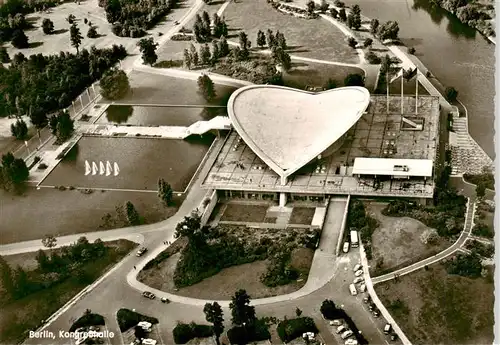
(456, 54)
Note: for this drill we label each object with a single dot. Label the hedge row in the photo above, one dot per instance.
(294, 328)
(185, 332)
(128, 319)
(87, 320)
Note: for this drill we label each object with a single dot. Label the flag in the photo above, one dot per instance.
(399, 74)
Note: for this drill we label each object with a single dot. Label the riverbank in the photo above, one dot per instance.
(474, 15)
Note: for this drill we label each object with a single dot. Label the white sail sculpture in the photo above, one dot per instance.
(101, 168)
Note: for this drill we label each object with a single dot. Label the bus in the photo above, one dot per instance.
(354, 238)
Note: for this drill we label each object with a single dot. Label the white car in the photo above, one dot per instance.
(358, 280)
(351, 342)
(341, 329)
(148, 342)
(357, 267)
(346, 247)
(353, 290)
(362, 288)
(358, 273)
(346, 334)
(336, 323)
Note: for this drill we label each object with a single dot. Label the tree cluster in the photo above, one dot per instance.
(354, 18)
(206, 56)
(42, 84)
(12, 25)
(214, 315)
(147, 46)
(114, 84)
(467, 265)
(52, 269)
(184, 332)
(206, 87)
(13, 172)
(62, 126)
(165, 192)
(279, 271)
(387, 31)
(204, 29)
(130, 18)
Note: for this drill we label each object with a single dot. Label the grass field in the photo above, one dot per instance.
(244, 213)
(302, 215)
(438, 308)
(18, 316)
(397, 241)
(314, 38)
(50, 211)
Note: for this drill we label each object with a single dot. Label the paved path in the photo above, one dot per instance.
(469, 216)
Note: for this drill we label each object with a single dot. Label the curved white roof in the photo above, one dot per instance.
(287, 128)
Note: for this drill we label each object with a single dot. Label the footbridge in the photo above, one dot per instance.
(165, 132)
(163, 105)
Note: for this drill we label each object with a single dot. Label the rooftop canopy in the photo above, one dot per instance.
(287, 128)
(393, 167)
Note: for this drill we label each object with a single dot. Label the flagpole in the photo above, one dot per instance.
(402, 90)
(387, 84)
(416, 94)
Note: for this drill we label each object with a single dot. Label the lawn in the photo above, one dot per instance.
(50, 211)
(18, 316)
(397, 241)
(314, 38)
(438, 308)
(150, 88)
(302, 215)
(244, 213)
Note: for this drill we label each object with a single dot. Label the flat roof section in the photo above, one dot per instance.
(287, 128)
(393, 167)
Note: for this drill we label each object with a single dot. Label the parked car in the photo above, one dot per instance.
(394, 337)
(149, 295)
(358, 273)
(346, 334)
(141, 251)
(148, 341)
(362, 287)
(336, 323)
(351, 341)
(341, 329)
(165, 300)
(353, 290)
(367, 299)
(357, 267)
(346, 247)
(371, 307)
(145, 325)
(376, 313)
(358, 280)
(176, 22)
(387, 328)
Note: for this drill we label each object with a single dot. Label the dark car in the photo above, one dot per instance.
(367, 299)
(149, 295)
(376, 313)
(394, 337)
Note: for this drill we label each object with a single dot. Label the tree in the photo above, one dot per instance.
(13, 172)
(330, 84)
(280, 40)
(147, 46)
(351, 41)
(374, 24)
(334, 13)
(71, 19)
(62, 126)
(189, 226)
(298, 312)
(388, 31)
(132, 214)
(342, 15)
(354, 80)
(220, 27)
(188, 62)
(223, 47)
(92, 32)
(451, 94)
(165, 191)
(310, 7)
(206, 87)
(215, 52)
(19, 129)
(214, 315)
(4, 55)
(114, 84)
(261, 39)
(241, 311)
(21, 283)
(367, 42)
(7, 277)
(480, 190)
(47, 26)
(205, 54)
(282, 58)
(329, 309)
(75, 36)
(270, 38)
(354, 18)
(245, 45)
(49, 241)
(43, 261)
(19, 39)
(193, 54)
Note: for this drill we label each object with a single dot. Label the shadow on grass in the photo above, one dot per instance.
(35, 44)
(60, 31)
(220, 2)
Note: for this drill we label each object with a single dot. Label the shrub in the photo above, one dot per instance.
(127, 319)
(329, 310)
(183, 332)
(88, 319)
(294, 328)
(411, 50)
(181, 37)
(465, 265)
(251, 333)
(373, 58)
(483, 230)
